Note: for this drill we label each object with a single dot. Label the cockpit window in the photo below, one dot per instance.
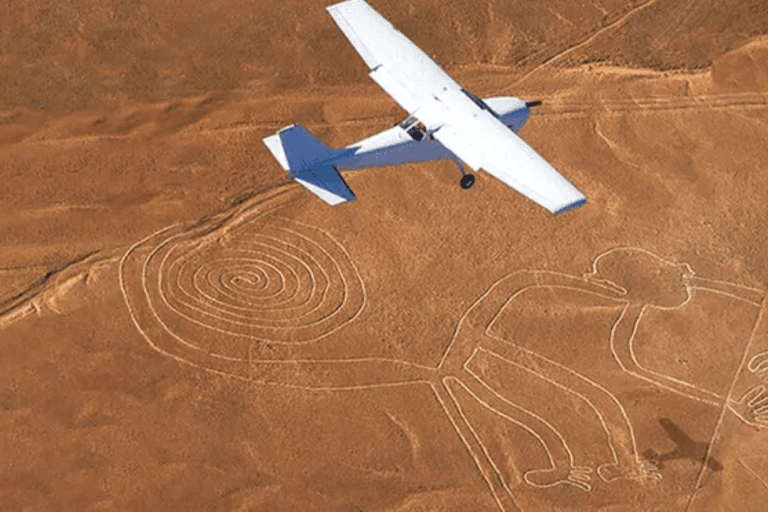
(417, 130)
(408, 122)
(414, 128)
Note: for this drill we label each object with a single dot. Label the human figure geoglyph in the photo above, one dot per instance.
(634, 279)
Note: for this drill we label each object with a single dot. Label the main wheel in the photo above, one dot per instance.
(467, 181)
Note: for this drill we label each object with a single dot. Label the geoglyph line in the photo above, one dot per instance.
(254, 276)
(618, 293)
(310, 318)
(724, 410)
(206, 308)
(754, 474)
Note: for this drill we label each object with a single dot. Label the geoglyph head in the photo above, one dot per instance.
(643, 276)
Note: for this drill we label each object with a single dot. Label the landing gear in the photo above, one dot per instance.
(467, 180)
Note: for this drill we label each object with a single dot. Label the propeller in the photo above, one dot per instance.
(534, 103)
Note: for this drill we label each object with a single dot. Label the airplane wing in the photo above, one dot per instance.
(485, 143)
(469, 131)
(396, 63)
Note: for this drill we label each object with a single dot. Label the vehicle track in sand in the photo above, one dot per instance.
(551, 107)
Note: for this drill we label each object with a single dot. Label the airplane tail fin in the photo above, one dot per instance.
(300, 153)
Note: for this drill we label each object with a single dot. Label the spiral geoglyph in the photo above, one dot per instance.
(251, 276)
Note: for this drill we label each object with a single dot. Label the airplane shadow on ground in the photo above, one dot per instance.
(685, 448)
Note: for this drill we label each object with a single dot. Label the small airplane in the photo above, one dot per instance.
(444, 121)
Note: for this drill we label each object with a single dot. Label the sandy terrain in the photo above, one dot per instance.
(181, 328)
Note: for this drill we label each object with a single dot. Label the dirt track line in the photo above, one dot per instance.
(725, 408)
(736, 101)
(34, 289)
(581, 43)
(687, 10)
(750, 101)
(700, 106)
(35, 294)
(753, 473)
(64, 141)
(542, 113)
(754, 96)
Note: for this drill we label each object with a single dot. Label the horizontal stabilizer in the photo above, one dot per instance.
(296, 149)
(326, 183)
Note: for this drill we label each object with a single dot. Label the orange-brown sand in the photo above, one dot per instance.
(182, 328)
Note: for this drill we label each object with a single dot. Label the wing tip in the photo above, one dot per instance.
(340, 5)
(570, 206)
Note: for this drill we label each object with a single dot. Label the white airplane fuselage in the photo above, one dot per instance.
(396, 146)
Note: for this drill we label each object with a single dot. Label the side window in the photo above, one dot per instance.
(414, 128)
(417, 131)
(408, 122)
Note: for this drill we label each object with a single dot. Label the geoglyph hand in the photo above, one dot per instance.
(759, 365)
(639, 470)
(752, 408)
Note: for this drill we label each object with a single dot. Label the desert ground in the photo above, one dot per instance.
(183, 328)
